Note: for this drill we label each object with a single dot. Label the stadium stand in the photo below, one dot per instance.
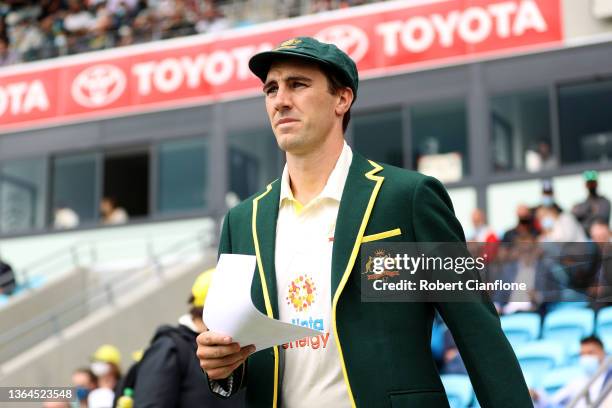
(521, 327)
(33, 30)
(568, 325)
(459, 390)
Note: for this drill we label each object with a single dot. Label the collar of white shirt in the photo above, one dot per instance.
(334, 186)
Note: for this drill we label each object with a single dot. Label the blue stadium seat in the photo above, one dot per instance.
(567, 305)
(607, 341)
(539, 356)
(521, 327)
(573, 353)
(437, 340)
(559, 377)
(532, 380)
(568, 325)
(603, 326)
(3, 300)
(458, 389)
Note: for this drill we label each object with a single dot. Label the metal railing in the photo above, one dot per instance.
(584, 393)
(29, 333)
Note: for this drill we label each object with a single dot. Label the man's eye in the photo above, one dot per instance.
(298, 84)
(270, 90)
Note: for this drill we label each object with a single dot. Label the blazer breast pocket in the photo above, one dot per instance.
(417, 399)
(381, 235)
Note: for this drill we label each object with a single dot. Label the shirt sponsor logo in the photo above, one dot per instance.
(301, 293)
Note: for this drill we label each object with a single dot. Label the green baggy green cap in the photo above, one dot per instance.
(307, 48)
(590, 175)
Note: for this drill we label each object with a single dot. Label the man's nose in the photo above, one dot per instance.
(282, 101)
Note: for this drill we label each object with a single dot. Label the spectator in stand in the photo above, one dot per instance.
(526, 224)
(592, 357)
(111, 213)
(7, 279)
(595, 206)
(212, 21)
(84, 380)
(65, 218)
(600, 231)
(100, 31)
(548, 195)
(78, 23)
(541, 158)
(600, 234)
(7, 55)
(482, 232)
(559, 226)
(176, 21)
(126, 36)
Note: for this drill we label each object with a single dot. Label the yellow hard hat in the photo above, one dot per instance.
(137, 355)
(199, 290)
(107, 353)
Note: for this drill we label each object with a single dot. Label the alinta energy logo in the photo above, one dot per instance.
(98, 86)
(301, 293)
(369, 266)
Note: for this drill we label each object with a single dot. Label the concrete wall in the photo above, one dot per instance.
(37, 303)
(129, 324)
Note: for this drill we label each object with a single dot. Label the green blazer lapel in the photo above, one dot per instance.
(265, 214)
(360, 191)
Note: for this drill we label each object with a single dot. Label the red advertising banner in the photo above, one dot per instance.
(384, 39)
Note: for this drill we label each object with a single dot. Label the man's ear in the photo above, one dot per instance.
(344, 101)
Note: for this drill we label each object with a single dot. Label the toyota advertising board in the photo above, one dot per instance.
(383, 39)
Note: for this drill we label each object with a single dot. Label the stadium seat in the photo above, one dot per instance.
(567, 305)
(568, 325)
(559, 377)
(607, 341)
(603, 326)
(538, 356)
(437, 340)
(532, 380)
(521, 327)
(573, 353)
(458, 389)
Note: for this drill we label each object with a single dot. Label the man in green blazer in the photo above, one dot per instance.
(328, 202)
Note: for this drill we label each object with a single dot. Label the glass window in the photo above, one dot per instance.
(22, 195)
(378, 136)
(183, 175)
(584, 121)
(254, 161)
(520, 132)
(74, 190)
(439, 139)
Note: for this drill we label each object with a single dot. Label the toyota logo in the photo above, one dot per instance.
(348, 38)
(98, 86)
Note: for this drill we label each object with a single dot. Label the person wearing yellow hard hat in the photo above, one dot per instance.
(105, 365)
(169, 373)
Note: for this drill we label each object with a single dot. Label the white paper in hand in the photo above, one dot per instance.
(229, 309)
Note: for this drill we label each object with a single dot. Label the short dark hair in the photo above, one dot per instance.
(592, 339)
(335, 85)
(92, 377)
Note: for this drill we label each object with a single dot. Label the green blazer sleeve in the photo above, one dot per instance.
(492, 366)
(237, 377)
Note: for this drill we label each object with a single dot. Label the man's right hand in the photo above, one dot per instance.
(219, 356)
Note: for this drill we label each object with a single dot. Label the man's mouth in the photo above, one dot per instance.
(285, 120)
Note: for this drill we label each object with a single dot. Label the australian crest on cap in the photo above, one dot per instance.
(289, 43)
